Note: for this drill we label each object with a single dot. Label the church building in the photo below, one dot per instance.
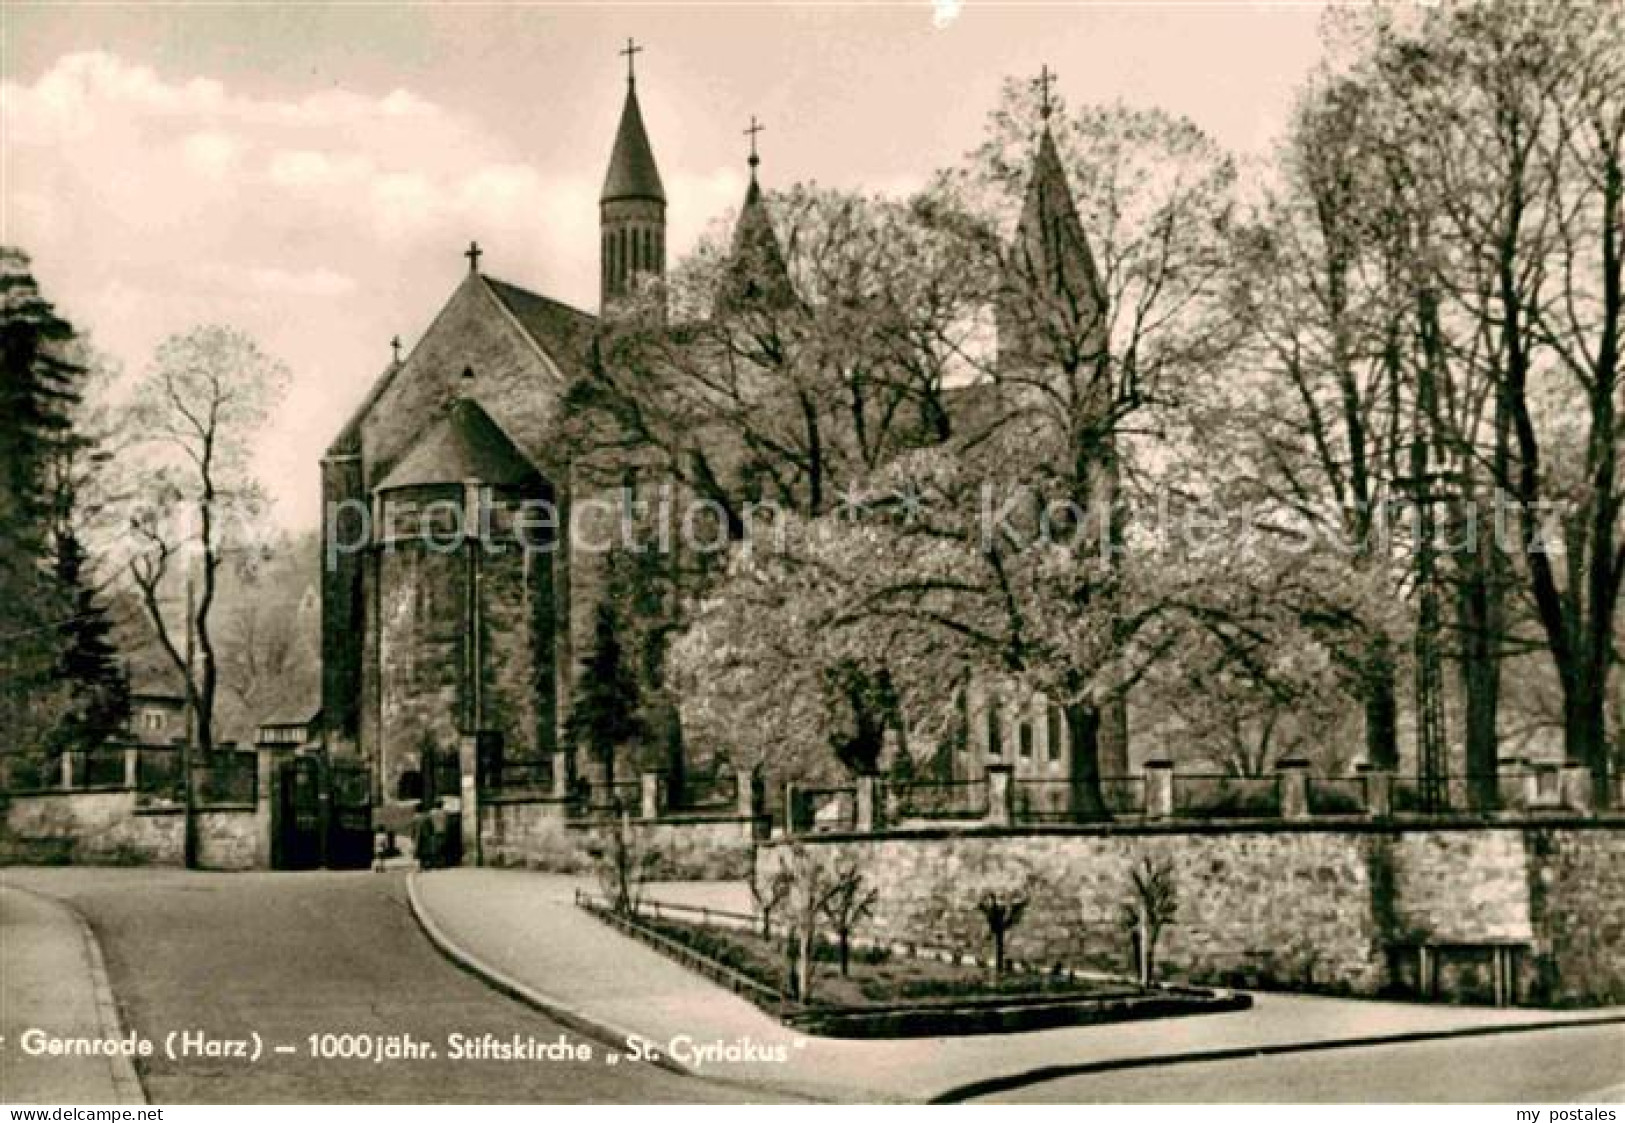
(450, 610)
(461, 611)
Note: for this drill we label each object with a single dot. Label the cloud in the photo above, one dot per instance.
(322, 223)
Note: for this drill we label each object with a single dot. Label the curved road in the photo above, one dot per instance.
(294, 954)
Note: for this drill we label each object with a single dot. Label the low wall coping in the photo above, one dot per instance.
(1392, 826)
(522, 797)
(99, 789)
(678, 821)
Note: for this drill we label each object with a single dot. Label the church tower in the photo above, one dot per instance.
(756, 277)
(1052, 306)
(1052, 321)
(632, 207)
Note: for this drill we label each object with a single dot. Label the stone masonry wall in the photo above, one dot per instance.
(229, 839)
(537, 835)
(1577, 895)
(423, 614)
(109, 828)
(92, 827)
(1253, 906)
(1320, 909)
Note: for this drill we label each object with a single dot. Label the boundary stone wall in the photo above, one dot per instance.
(1297, 906)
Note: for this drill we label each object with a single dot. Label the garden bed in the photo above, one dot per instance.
(891, 995)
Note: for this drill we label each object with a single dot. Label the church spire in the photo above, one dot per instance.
(1052, 293)
(756, 275)
(632, 206)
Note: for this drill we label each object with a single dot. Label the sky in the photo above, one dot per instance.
(312, 173)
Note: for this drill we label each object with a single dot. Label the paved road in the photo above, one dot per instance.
(290, 955)
(1538, 1067)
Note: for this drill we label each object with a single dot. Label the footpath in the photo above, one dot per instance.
(52, 979)
(522, 932)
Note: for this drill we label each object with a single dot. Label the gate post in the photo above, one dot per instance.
(132, 767)
(468, 748)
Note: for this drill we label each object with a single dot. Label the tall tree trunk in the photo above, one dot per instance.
(1381, 704)
(1083, 729)
(1478, 613)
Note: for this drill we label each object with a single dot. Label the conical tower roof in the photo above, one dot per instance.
(1050, 243)
(757, 275)
(463, 445)
(632, 172)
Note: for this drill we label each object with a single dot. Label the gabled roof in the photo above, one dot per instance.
(756, 275)
(564, 334)
(465, 444)
(558, 328)
(348, 442)
(632, 172)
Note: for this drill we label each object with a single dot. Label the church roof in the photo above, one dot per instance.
(756, 273)
(465, 444)
(557, 326)
(1050, 235)
(632, 171)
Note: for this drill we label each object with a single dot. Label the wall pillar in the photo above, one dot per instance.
(794, 810)
(649, 790)
(67, 771)
(1159, 789)
(264, 788)
(746, 795)
(561, 775)
(132, 767)
(1292, 777)
(1577, 788)
(468, 752)
(868, 809)
(1377, 789)
(1001, 796)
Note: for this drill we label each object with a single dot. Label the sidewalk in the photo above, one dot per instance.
(52, 978)
(523, 929)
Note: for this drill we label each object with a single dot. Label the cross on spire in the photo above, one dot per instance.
(1045, 77)
(473, 253)
(395, 346)
(755, 128)
(631, 51)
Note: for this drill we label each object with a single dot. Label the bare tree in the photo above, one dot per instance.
(769, 890)
(810, 885)
(850, 901)
(195, 414)
(626, 861)
(1153, 903)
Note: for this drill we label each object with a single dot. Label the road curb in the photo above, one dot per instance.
(606, 1034)
(126, 1081)
(995, 1084)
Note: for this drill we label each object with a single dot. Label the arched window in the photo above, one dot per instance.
(995, 728)
(1052, 746)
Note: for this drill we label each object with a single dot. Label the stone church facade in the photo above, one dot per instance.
(448, 608)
